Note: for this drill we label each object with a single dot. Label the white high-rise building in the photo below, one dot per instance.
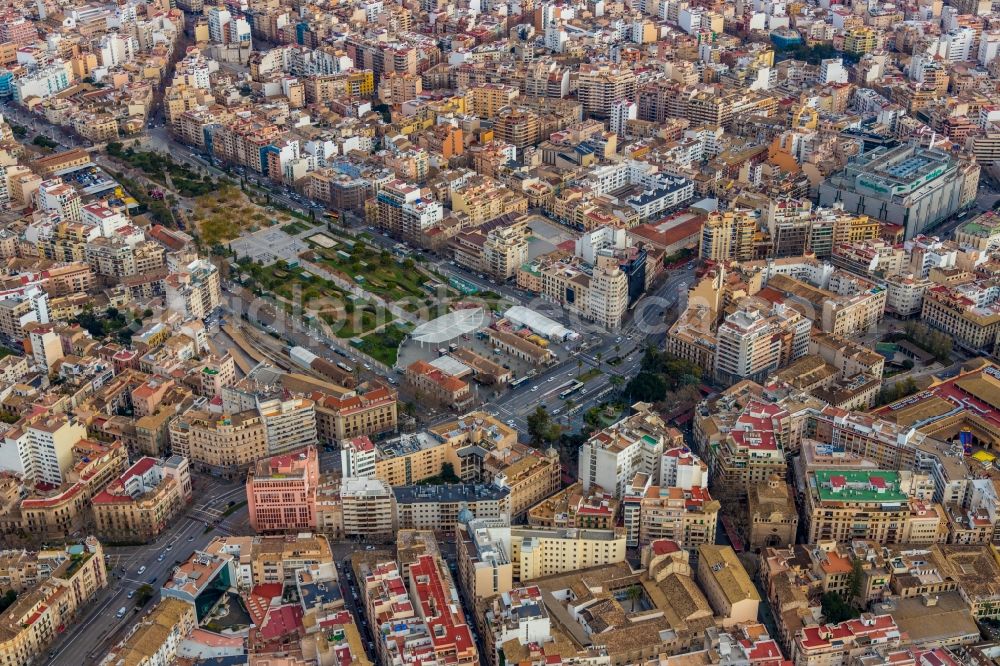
(752, 344)
(42, 451)
(680, 468)
(612, 457)
(58, 197)
(555, 37)
(218, 24)
(357, 457)
(832, 70)
(621, 113)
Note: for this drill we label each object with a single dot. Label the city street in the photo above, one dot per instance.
(99, 628)
(628, 346)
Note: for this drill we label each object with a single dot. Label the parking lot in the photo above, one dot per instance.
(90, 180)
(268, 245)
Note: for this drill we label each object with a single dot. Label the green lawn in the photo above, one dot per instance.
(348, 318)
(383, 345)
(590, 374)
(295, 228)
(364, 318)
(382, 274)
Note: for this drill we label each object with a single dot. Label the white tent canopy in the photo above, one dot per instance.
(450, 326)
(539, 323)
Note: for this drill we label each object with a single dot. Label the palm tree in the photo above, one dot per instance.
(598, 356)
(579, 366)
(633, 594)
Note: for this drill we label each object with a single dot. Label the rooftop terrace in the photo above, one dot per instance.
(859, 486)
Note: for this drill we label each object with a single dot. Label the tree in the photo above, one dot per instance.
(44, 142)
(7, 600)
(633, 594)
(541, 428)
(144, 594)
(647, 387)
(598, 356)
(579, 366)
(448, 473)
(856, 581)
(836, 610)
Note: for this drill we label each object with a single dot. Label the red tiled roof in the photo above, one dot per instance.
(664, 547)
(282, 621)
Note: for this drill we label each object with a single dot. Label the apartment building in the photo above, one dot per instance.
(572, 507)
(530, 474)
(432, 591)
(142, 502)
(880, 505)
(60, 198)
(443, 507)
(847, 304)
(156, 639)
(18, 311)
(483, 554)
(728, 236)
(277, 559)
(117, 259)
(224, 444)
(685, 515)
(59, 510)
(486, 100)
(482, 200)
(195, 291)
(389, 609)
(505, 249)
(536, 552)
(601, 86)
(969, 313)
(281, 492)
(596, 293)
(752, 342)
(290, 423)
(403, 460)
(823, 644)
(518, 618)
(368, 508)
(31, 623)
(43, 449)
(848, 356)
(518, 127)
(746, 450)
(349, 416)
(404, 212)
(612, 457)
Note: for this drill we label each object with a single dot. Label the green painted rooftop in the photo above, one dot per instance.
(859, 486)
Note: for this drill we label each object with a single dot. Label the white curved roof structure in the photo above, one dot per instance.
(450, 326)
(539, 323)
